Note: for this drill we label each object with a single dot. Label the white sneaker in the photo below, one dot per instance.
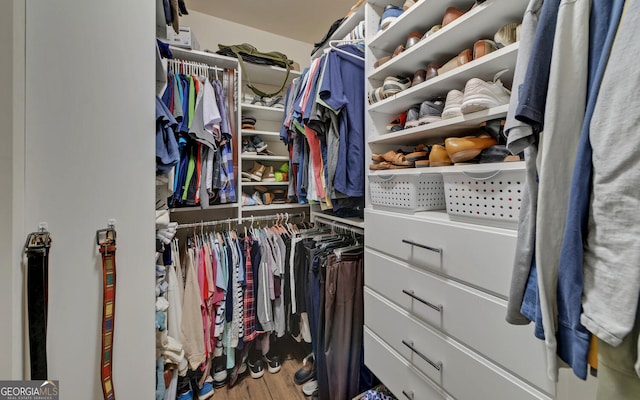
(310, 387)
(452, 104)
(481, 95)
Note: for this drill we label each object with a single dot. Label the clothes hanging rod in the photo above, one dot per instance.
(339, 225)
(252, 218)
(178, 61)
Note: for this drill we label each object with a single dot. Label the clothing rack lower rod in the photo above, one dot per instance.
(274, 217)
(339, 225)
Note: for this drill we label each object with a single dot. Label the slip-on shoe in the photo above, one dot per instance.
(507, 34)
(432, 70)
(483, 47)
(438, 156)
(450, 15)
(419, 77)
(412, 39)
(431, 31)
(381, 61)
(462, 58)
(468, 147)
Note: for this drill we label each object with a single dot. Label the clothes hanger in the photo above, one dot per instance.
(333, 43)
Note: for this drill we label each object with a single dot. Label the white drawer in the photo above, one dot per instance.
(460, 372)
(473, 317)
(478, 255)
(404, 381)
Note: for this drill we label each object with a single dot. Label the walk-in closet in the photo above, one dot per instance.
(335, 200)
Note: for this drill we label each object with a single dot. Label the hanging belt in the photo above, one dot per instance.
(37, 252)
(106, 240)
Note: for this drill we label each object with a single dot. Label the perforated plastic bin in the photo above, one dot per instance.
(485, 197)
(419, 192)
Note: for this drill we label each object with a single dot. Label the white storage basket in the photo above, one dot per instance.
(491, 197)
(418, 192)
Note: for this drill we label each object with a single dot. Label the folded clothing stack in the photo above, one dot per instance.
(248, 122)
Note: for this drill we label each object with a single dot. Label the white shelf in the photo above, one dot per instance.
(265, 158)
(483, 68)
(212, 59)
(480, 23)
(416, 18)
(250, 184)
(438, 131)
(356, 222)
(267, 74)
(199, 208)
(273, 207)
(343, 30)
(253, 132)
(488, 167)
(263, 112)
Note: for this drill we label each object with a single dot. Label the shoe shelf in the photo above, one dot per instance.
(483, 68)
(438, 131)
(264, 158)
(263, 112)
(343, 30)
(487, 167)
(272, 207)
(420, 17)
(251, 184)
(253, 132)
(481, 22)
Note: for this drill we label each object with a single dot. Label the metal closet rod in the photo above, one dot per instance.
(178, 62)
(339, 225)
(240, 220)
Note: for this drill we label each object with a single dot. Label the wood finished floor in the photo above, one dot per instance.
(278, 386)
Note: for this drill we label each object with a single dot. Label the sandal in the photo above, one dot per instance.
(380, 166)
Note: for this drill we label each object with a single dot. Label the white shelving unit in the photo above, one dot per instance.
(445, 270)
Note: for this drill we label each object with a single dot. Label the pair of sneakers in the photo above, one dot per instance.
(256, 367)
(478, 95)
(253, 145)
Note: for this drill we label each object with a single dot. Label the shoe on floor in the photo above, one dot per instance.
(188, 395)
(481, 95)
(256, 368)
(220, 377)
(206, 391)
(431, 111)
(452, 104)
(273, 363)
(307, 371)
(310, 387)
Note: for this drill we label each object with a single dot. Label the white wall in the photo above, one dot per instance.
(211, 31)
(90, 156)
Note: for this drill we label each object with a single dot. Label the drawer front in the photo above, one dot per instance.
(396, 373)
(472, 317)
(478, 255)
(462, 373)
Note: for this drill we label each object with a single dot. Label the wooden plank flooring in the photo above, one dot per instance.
(278, 386)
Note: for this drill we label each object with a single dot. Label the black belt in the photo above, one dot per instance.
(37, 251)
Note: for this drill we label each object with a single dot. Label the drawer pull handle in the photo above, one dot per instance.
(409, 293)
(422, 246)
(408, 395)
(436, 365)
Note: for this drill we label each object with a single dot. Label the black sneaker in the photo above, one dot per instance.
(256, 368)
(273, 363)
